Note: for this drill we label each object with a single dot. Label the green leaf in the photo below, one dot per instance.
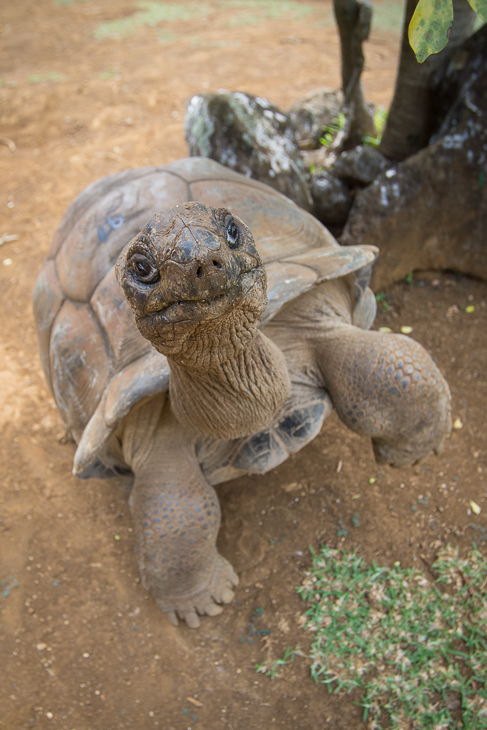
(480, 7)
(429, 29)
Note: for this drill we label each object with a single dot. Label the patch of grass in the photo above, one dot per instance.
(380, 121)
(109, 73)
(274, 7)
(417, 649)
(150, 14)
(267, 10)
(53, 77)
(271, 669)
(381, 299)
(332, 129)
(198, 42)
(67, 2)
(166, 38)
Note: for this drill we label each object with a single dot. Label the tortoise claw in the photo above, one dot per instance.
(207, 600)
(172, 617)
(191, 618)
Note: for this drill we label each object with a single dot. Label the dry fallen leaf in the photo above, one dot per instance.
(475, 507)
(194, 702)
(292, 487)
(283, 626)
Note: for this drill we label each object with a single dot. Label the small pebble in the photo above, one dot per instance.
(7, 262)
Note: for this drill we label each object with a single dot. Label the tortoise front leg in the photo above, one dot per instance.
(176, 516)
(386, 386)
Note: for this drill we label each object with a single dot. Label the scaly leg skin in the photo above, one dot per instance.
(177, 517)
(386, 386)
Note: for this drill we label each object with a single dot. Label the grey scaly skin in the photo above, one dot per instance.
(196, 286)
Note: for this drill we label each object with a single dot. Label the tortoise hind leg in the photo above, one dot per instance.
(386, 386)
(177, 516)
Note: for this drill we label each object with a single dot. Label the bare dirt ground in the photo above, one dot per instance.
(83, 646)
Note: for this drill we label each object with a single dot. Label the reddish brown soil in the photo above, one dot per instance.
(83, 646)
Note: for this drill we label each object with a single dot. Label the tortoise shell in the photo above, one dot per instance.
(96, 362)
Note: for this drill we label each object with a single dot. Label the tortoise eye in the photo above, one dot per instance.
(144, 269)
(232, 233)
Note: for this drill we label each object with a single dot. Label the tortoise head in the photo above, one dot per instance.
(192, 269)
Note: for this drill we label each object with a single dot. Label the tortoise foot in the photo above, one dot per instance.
(206, 600)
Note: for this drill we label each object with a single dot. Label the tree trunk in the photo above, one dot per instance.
(353, 19)
(409, 125)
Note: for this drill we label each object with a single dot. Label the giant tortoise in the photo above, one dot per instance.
(171, 363)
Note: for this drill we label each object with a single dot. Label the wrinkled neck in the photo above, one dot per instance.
(213, 345)
(229, 391)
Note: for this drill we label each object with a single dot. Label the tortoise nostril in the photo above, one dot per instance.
(200, 272)
(217, 264)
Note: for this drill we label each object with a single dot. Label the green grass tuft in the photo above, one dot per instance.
(67, 2)
(381, 299)
(417, 649)
(380, 121)
(331, 131)
(150, 14)
(53, 77)
(264, 10)
(109, 73)
(271, 669)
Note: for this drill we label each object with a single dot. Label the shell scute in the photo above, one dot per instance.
(193, 169)
(280, 228)
(284, 283)
(145, 377)
(79, 363)
(117, 320)
(89, 197)
(47, 300)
